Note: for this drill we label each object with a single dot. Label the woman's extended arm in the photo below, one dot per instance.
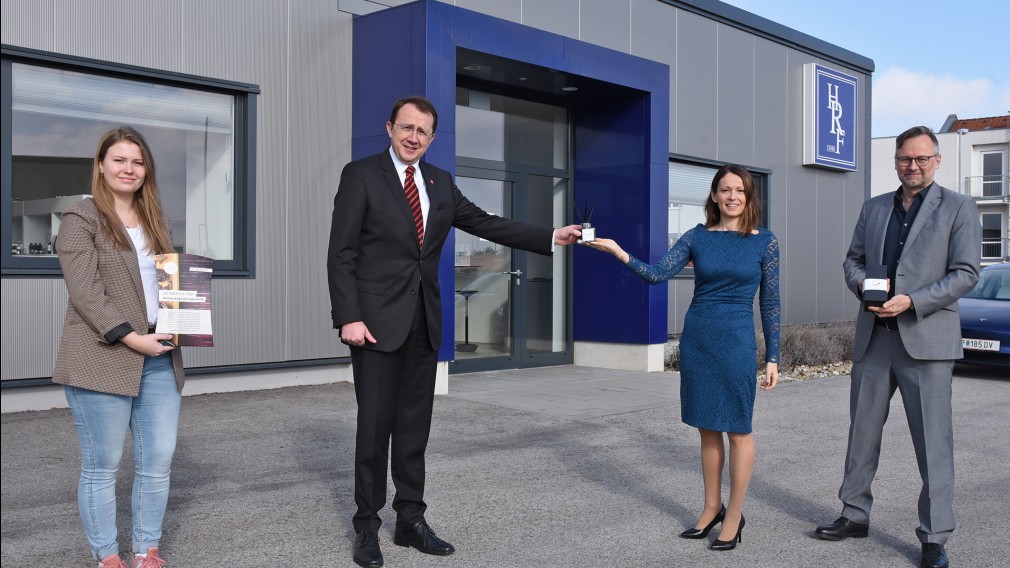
(665, 268)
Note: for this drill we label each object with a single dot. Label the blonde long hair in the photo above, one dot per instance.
(146, 200)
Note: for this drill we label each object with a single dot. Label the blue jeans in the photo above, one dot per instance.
(102, 421)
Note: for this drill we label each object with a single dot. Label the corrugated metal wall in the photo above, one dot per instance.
(299, 54)
(33, 311)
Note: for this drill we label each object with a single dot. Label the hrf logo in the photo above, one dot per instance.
(830, 112)
(835, 106)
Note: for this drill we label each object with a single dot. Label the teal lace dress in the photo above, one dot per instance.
(718, 361)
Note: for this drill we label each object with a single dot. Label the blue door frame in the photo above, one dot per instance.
(620, 141)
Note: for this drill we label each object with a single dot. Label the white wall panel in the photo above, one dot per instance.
(606, 23)
(735, 110)
(653, 32)
(555, 16)
(773, 127)
(510, 10)
(695, 87)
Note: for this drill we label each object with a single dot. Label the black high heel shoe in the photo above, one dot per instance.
(702, 533)
(729, 544)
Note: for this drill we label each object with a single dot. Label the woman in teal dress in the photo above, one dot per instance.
(732, 259)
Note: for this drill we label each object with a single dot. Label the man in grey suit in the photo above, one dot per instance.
(929, 239)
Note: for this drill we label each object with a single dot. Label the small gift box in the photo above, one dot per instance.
(875, 286)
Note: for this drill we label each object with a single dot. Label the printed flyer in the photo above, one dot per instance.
(184, 298)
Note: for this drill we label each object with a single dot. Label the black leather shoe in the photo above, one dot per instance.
(421, 537)
(366, 548)
(842, 529)
(933, 556)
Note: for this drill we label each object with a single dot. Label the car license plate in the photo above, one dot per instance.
(980, 344)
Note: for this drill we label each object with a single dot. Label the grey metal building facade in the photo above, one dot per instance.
(736, 89)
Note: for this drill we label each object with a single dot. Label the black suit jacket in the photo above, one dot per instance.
(375, 268)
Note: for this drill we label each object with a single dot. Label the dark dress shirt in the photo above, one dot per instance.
(897, 232)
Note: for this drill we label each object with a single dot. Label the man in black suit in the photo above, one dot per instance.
(391, 216)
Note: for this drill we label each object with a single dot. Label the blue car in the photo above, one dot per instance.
(985, 318)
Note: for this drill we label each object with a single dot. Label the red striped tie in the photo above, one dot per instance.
(410, 190)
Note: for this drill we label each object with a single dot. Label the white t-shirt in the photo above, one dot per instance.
(148, 275)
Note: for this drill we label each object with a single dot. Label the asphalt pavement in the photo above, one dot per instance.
(560, 467)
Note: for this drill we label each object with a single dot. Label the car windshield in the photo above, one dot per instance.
(992, 285)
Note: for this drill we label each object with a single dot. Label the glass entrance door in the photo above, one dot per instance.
(511, 306)
(483, 280)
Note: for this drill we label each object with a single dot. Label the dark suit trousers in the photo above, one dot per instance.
(925, 388)
(395, 392)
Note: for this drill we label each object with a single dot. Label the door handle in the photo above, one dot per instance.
(517, 273)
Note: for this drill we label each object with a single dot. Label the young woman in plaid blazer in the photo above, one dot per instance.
(119, 377)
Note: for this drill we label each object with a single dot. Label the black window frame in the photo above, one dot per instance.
(243, 263)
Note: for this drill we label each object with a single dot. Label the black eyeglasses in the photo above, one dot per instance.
(921, 161)
(410, 129)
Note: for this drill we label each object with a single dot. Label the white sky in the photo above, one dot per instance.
(933, 57)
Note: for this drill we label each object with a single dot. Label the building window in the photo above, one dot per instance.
(689, 187)
(200, 132)
(992, 236)
(993, 176)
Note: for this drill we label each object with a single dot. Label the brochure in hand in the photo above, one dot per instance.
(184, 298)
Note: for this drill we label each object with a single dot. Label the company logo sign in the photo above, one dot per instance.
(830, 124)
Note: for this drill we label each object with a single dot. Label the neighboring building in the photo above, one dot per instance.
(975, 161)
(252, 109)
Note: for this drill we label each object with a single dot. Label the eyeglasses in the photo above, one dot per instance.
(921, 161)
(410, 130)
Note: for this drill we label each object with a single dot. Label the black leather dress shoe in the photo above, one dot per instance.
(421, 537)
(842, 529)
(366, 548)
(933, 556)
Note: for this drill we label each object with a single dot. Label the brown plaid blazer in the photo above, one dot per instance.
(105, 291)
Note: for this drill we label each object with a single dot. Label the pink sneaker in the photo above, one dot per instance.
(112, 561)
(150, 560)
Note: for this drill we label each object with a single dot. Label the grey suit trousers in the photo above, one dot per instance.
(925, 387)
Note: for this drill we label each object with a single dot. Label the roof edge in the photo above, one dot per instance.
(750, 22)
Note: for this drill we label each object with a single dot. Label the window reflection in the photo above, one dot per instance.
(504, 129)
(689, 187)
(56, 120)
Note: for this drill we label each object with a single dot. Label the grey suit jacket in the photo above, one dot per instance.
(938, 265)
(105, 291)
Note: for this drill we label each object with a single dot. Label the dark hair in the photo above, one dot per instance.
(917, 131)
(146, 200)
(422, 104)
(751, 209)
